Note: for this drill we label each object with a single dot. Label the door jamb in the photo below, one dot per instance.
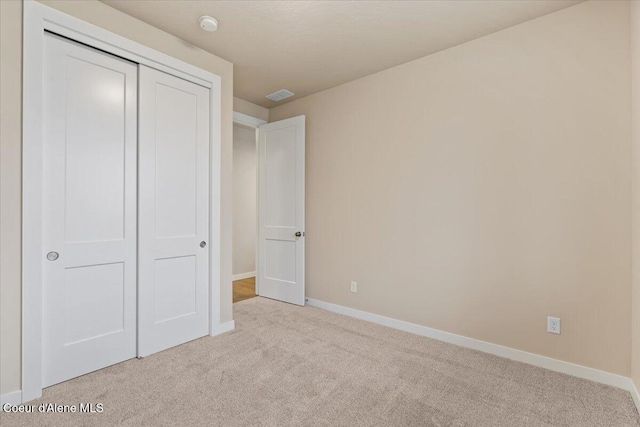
(253, 123)
(37, 19)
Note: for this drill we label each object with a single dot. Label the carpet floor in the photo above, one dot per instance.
(285, 365)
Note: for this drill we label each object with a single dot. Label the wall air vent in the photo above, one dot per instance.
(280, 95)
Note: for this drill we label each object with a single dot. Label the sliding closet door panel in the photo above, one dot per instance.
(173, 211)
(89, 202)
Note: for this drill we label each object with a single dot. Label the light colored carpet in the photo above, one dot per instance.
(287, 365)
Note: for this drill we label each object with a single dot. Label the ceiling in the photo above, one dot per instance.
(309, 46)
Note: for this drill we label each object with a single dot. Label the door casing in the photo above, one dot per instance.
(37, 19)
(253, 123)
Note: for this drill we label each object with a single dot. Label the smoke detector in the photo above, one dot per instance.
(280, 95)
(208, 23)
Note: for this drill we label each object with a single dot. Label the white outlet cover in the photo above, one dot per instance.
(553, 325)
(354, 286)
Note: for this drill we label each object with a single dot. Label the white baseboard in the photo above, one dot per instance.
(243, 275)
(224, 327)
(568, 368)
(14, 398)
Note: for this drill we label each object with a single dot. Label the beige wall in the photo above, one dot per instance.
(106, 17)
(253, 110)
(244, 199)
(10, 192)
(483, 188)
(635, 55)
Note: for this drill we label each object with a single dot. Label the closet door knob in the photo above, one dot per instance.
(203, 244)
(298, 234)
(52, 256)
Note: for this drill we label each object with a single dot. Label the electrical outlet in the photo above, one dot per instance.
(553, 325)
(354, 286)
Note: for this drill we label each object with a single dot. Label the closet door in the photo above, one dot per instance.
(89, 210)
(173, 212)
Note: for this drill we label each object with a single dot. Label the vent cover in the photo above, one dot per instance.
(280, 95)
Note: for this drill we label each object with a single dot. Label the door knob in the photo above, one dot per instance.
(52, 256)
(298, 234)
(203, 244)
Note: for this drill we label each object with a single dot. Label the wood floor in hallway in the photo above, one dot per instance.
(244, 289)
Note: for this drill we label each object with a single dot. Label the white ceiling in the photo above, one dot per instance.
(309, 46)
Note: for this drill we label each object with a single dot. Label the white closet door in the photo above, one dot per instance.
(89, 207)
(173, 211)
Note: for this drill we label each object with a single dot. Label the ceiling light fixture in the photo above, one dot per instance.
(208, 23)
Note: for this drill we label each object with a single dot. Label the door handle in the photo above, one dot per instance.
(52, 256)
(298, 234)
(203, 244)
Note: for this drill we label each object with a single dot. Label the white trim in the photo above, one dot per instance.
(635, 395)
(243, 119)
(13, 398)
(244, 275)
(38, 18)
(91, 35)
(215, 205)
(486, 347)
(224, 327)
(32, 202)
(254, 123)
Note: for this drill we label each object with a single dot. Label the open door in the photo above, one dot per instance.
(281, 211)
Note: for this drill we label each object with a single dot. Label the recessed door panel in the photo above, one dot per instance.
(89, 210)
(280, 177)
(176, 165)
(173, 210)
(175, 288)
(94, 148)
(94, 302)
(280, 260)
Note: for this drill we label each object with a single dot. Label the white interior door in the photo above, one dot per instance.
(89, 210)
(173, 211)
(281, 147)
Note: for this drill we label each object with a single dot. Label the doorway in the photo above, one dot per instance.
(244, 211)
(269, 209)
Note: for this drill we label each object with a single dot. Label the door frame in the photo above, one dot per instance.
(253, 123)
(37, 19)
